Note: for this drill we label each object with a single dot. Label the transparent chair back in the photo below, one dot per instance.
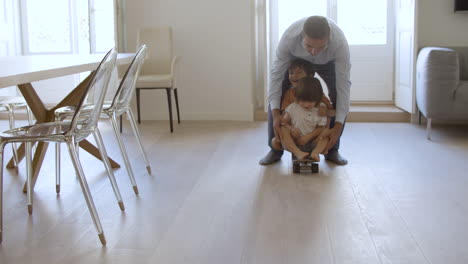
(84, 123)
(125, 91)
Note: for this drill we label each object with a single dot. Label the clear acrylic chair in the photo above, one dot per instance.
(71, 132)
(9, 104)
(117, 107)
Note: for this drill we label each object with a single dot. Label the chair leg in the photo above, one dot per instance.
(57, 167)
(169, 104)
(429, 128)
(29, 176)
(30, 117)
(419, 117)
(124, 153)
(85, 190)
(30, 122)
(137, 135)
(177, 105)
(110, 173)
(11, 119)
(1, 192)
(138, 104)
(120, 123)
(57, 159)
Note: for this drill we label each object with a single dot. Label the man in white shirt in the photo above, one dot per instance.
(320, 41)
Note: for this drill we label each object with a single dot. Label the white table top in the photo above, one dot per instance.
(16, 70)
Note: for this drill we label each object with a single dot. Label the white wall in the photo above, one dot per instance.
(438, 25)
(215, 41)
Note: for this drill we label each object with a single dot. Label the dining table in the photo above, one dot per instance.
(22, 71)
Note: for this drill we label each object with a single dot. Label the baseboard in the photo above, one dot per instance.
(357, 113)
(377, 113)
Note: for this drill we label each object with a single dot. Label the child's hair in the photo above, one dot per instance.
(304, 65)
(309, 89)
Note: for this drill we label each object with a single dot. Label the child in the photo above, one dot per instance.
(298, 69)
(302, 122)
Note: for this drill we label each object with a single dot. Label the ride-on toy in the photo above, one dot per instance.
(304, 165)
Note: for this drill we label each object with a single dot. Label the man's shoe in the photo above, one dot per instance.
(336, 158)
(271, 157)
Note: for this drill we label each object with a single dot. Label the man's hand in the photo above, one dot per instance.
(335, 133)
(277, 119)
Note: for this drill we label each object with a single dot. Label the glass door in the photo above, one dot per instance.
(369, 28)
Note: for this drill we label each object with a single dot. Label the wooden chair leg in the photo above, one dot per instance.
(419, 117)
(429, 128)
(138, 104)
(169, 104)
(177, 105)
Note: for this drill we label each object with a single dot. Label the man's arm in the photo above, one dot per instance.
(343, 85)
(343, 82)
(279, 67)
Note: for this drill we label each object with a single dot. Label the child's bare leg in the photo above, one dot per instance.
(319, 147)
(276, 144)
(290, 145)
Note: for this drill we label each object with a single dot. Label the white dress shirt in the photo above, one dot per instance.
(337, 50)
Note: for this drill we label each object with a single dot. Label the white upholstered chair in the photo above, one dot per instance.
(159, 69)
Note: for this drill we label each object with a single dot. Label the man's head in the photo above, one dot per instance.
(309, 92)
(316, 34)
(299, 69)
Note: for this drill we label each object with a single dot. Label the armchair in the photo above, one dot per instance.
(442, 84)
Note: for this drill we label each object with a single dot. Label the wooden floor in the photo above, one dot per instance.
(401, 199)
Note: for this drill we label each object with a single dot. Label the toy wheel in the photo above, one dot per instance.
(296, 168)
(315, 168)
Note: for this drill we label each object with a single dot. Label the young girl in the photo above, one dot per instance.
(303, 121)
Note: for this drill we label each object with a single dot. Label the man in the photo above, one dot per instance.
(320, 41)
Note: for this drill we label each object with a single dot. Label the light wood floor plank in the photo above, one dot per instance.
(401, 199)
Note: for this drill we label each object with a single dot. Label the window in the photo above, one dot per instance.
(102, 25)
(293, 10)
(71, 26)
(66, 27)
(47, 29)
(362, 26)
